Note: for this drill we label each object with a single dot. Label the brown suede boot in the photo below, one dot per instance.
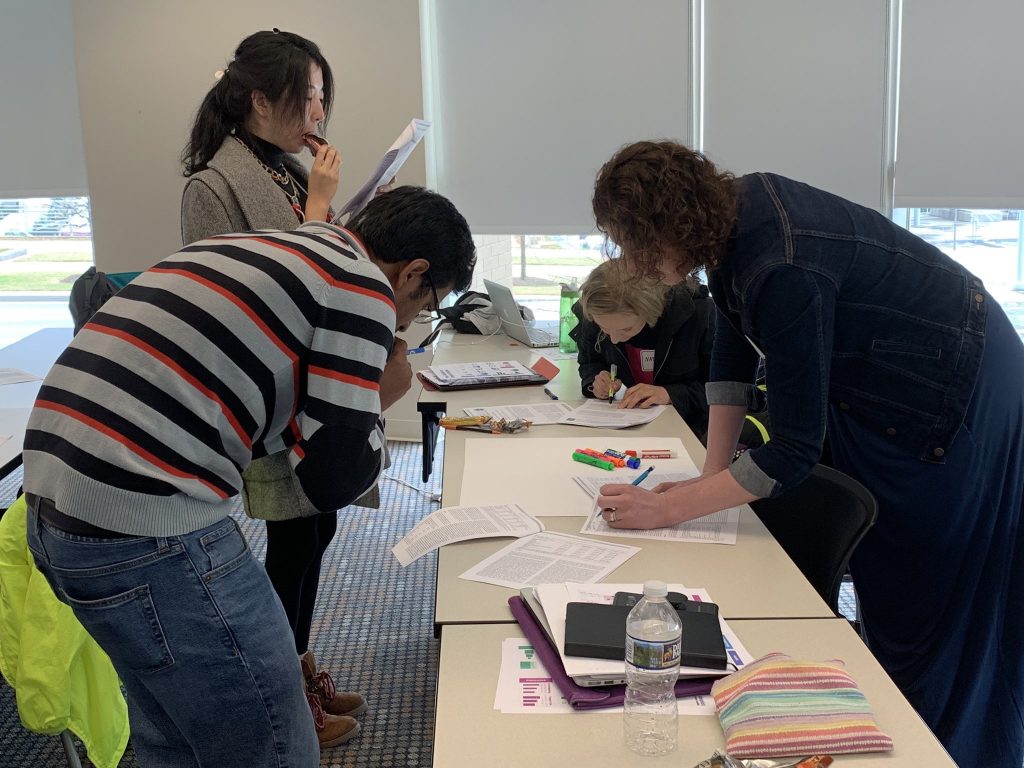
(321, 685)
(331, 730)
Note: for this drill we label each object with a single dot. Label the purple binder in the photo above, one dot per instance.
(578, 696)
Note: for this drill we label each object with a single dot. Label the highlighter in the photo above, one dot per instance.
(611, 389)
(584, 458)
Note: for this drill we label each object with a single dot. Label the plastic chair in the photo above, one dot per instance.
(819, 523)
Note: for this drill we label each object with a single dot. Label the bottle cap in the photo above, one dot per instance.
(655, 589)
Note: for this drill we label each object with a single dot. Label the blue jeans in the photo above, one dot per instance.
(199, 639)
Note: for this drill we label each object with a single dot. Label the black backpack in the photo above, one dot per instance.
(472, 312)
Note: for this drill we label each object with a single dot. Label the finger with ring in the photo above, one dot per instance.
(611, 516)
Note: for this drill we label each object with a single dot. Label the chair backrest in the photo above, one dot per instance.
(819, 523)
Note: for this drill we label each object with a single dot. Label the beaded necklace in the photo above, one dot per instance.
(283, 180)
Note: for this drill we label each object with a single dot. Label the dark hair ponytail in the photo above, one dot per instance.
(275, 63)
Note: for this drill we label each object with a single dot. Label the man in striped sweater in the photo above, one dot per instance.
(232, 348)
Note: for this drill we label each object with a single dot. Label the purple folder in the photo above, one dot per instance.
(578, 696)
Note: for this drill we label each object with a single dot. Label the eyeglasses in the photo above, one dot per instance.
(429, 315)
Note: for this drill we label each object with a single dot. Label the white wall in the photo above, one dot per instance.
(144, 66)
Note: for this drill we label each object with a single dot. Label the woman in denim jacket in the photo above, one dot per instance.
(919, 378)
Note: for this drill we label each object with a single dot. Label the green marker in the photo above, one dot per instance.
(592, 460)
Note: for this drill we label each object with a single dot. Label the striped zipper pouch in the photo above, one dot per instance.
(778, 706)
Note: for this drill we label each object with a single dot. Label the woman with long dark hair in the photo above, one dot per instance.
(271, 101)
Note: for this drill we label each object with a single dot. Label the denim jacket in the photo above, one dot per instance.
(855, 317)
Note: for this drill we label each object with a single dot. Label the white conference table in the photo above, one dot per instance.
(469, 732)
(751, 579)
(34, 354)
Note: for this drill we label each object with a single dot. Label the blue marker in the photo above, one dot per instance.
(416, 350)
(642, 476)
(550, 394)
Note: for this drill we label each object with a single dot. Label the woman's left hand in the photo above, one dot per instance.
(385, 187)
(644, 396)
(626, 506)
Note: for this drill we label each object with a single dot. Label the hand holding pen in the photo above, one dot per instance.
(611, 387)
(613, 495)
(604, 386)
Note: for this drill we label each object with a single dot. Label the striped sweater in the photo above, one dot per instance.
(232, 348)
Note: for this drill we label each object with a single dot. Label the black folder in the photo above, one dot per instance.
(598, 631)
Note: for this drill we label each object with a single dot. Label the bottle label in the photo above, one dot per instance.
(652, 654)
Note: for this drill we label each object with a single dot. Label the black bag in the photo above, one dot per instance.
(472, 312)
(89, 292)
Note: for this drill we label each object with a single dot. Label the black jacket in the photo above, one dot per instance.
(682, 353)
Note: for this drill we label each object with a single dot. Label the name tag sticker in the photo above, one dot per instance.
(647, 359)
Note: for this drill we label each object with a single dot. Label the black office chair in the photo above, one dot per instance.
(819, 523)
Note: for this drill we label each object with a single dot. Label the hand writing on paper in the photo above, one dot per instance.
(397, 377)
(644, 396)
(603, 384)
(626, 506)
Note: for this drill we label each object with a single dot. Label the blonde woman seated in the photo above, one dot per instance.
(658, 337)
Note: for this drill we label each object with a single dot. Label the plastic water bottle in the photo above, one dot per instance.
(566, 319)
(653, 635)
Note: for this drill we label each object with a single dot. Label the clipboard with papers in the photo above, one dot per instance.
(497, 373)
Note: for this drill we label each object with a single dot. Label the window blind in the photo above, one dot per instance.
(960, 109)
(530, 98)
(797, 87)
(41, 131)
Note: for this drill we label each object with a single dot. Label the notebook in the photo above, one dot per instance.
(497, 373)
(532, 333)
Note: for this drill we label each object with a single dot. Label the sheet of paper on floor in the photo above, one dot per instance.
(451, 524)
(525, 687)
(538, 413)
(717, 528)
(601, 413)
(536, 472)
(550, 557)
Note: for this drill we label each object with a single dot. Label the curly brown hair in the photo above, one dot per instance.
(657, 199)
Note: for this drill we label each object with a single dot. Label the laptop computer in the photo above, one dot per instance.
(532, 333)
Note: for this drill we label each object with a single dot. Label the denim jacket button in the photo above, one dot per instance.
(978, 297)
(938, 453)
(844, 406)
(890, 431)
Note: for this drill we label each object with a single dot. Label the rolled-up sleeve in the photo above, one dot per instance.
(793, 323)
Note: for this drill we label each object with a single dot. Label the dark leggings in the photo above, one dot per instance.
(295, 550)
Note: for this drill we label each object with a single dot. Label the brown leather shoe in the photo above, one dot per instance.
(331, 730)
(321, 685)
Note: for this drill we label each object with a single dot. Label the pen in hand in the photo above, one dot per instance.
(642, 476)
(611, 387)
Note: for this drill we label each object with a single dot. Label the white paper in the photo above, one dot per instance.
(387, 168)
(717, 528)
(601, 413)
(16, 376)
(555, 597)
(525, 687)
(451, 524)
(488, 479)
(4, 439)
(536, 413)
(550, 557)
(460, 374)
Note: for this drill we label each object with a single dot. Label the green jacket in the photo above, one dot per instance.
(61, 678)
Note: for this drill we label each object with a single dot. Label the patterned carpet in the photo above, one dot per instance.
(370, 611)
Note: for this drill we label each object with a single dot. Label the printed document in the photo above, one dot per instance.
(15, 376)
(459, 374)
(536, 413)
(717, 528)
(387, 168)
(525, 687)
(547, 557)
(451, 524)
(601, 413)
